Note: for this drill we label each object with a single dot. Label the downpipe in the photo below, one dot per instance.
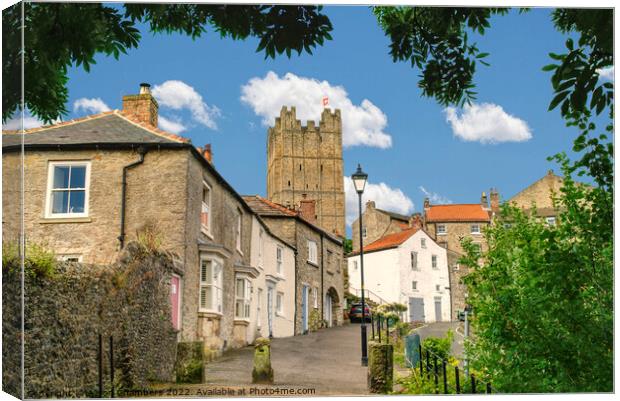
(141, 153)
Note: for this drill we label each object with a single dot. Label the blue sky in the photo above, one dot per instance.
(424, 150)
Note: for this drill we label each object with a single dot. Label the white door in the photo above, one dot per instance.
(270, 310)
(328, 310)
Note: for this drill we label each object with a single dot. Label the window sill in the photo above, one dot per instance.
(210, 314)
(242, 321)
(315, 264)
(60, 220)
(279, 314)
(240, 251)
(442, 233)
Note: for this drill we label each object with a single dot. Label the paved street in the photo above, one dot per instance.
(440, 330)
(327, 360)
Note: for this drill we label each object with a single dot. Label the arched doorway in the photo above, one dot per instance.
(332, 310)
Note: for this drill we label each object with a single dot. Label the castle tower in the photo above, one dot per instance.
(305, 163)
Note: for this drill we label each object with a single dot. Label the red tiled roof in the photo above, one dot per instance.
(389, 241)
(462, 212)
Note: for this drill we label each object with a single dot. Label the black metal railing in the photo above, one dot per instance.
(435, 368)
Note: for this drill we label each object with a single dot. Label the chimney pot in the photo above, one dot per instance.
(208, 153)
(370, 205)
(484, 201)
(427, 203)
(145, 88)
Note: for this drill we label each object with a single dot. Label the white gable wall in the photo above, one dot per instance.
(426, 277)
(389, 275)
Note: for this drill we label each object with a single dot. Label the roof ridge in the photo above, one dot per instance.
(151, 129)
(60, 124)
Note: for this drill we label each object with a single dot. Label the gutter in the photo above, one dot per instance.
(141, 151)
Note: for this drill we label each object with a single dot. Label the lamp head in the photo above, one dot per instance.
(359, 179)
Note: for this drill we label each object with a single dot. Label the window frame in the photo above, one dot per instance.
(279, 303)
(261, 246)
(238, 231)
(551, 221)
(364, 232)
(423, 243)
(314, 247)
(50, 183)
(209, 206)
(279, 260)
(216, 283)
(66, 257)
(471, 229)
(415, 263)
(434, 260)
(245, 300)
(442, 232)
(414, 285)
(315, 291)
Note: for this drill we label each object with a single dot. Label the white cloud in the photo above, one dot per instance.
(384, 196)
(173, 125)
(91, 106)
(606, 73)
(178, 95)
(487, 123)
(16, 123)
(434, 197)
(362, 125)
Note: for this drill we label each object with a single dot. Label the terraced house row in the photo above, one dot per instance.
(245, 267)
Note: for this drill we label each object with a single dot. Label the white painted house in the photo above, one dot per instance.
(272, 292)
(406, 267)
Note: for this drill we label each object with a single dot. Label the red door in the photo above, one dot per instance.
(175, 291)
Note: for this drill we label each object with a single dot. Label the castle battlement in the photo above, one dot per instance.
(288, 119)
(306, 161)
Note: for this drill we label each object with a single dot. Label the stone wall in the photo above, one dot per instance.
(308, 160)
(67, 310)
(378, 224)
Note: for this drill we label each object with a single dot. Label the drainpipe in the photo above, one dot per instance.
(141, 152)
(295, 313)
(322, 274)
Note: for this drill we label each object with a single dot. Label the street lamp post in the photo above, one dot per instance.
(359, 181)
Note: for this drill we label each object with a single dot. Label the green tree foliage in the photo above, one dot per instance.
(435, 40)
(347, 246)
(61, 35)
(543, 297)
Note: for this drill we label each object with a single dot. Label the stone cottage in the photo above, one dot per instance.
(95, 182)
(319, 280)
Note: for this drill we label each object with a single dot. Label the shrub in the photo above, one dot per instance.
(439, 346)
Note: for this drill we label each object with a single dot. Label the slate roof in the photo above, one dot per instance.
(112, 127)
(394, 215)
(266, 208)
(462, 212)
(389, 241)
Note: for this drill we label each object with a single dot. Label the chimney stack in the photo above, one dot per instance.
(142, 107)
(208, 153)
(484, 202)
(415, 221)
(494, 200)
(427, 203)
(370, 205)
(307, 209)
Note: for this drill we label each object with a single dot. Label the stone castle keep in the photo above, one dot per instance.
(304, 167)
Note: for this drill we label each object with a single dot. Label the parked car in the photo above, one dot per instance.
(355, 313)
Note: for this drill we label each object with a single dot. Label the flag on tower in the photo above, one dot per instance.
(325, 101)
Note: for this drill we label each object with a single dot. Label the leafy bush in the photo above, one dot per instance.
(542, 297)
(439, 346)
(39, 262)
